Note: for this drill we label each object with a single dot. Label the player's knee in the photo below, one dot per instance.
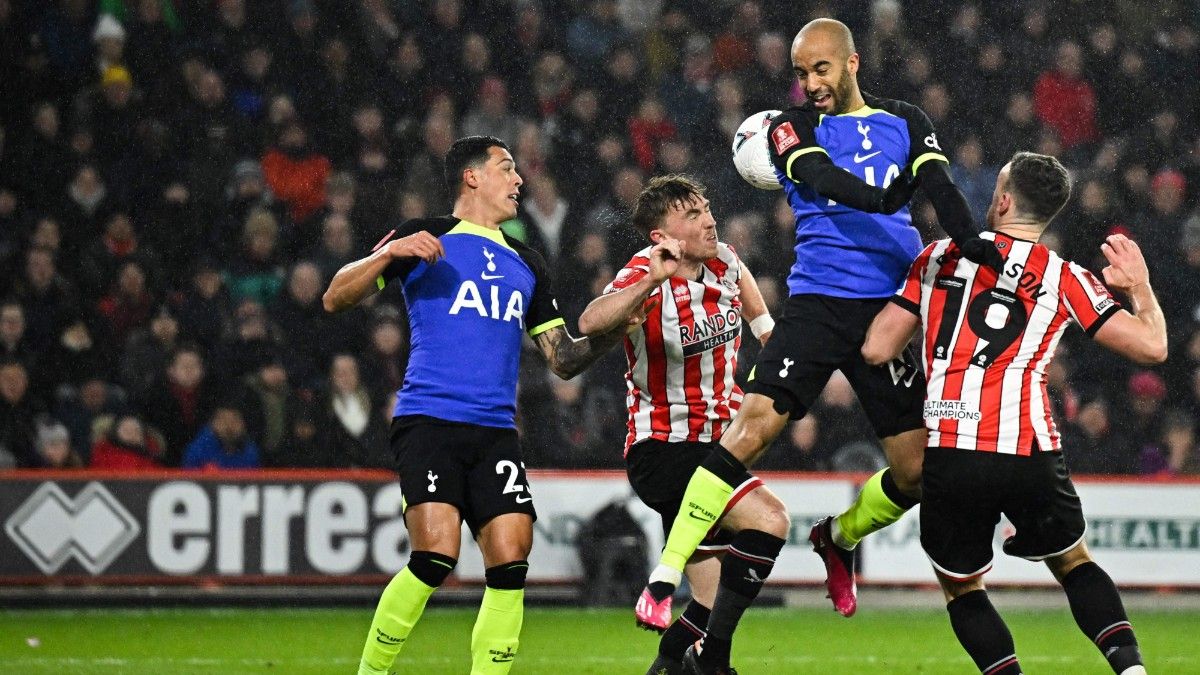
(508, 576)
(431, 568)
(773, 517)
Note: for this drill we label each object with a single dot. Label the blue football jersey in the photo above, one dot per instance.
(467, 314)
(840, 251)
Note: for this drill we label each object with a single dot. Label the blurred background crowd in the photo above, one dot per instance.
(179, 180)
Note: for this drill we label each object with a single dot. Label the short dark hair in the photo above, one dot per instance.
(659, 196)
(465, 152)
(1041, 183)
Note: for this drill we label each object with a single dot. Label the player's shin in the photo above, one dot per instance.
(400, 606)
(982, 632)
(686, 629)
(703, 502)
(747, 564)
(879, 504)
(1098, 611)
(497, 632)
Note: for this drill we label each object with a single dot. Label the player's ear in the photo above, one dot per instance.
(852, 64)
(470, 177)
(657, 236)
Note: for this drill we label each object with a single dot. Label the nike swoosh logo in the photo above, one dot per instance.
(497, 659)
(488, 277)
(701, 518)
(859, 159)
(523, 501)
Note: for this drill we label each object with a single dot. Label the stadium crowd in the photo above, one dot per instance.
(179, 180)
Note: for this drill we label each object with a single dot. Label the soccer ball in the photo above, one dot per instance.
(750, 153)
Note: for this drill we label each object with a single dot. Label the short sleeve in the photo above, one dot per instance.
(543, 311)
(1087, 300)
(908, 295)
(399, 269)
(923, 142)
(791, 136)
(635, 270)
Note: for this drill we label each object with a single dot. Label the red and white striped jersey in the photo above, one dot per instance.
(988, 338)
(680, 386)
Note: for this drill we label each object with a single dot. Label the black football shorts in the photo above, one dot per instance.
(477, 469)
(659, 473)
(965, 491)
(818, 334)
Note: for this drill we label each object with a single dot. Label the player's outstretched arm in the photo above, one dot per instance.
(568, 356)
(623, 307)
(888, 333)
(1142, 335)
(954, 215)
(358, 280)
(754, 308)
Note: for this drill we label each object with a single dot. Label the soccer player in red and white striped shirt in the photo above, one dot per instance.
(987, 340)
(696, 294)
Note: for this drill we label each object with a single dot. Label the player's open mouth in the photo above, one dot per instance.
(516, 197)
(821, 99)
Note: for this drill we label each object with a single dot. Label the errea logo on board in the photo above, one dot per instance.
(51, 528)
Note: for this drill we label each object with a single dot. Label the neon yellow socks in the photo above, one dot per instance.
(400, 606)
(497, 632)
(871, 511)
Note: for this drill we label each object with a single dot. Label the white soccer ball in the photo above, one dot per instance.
(750, 153)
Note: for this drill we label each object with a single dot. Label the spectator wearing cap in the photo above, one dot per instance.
(54, 449)
(296, 173)
(109, 37)
(1144, 418)
(127, 445)
(114, 113)
(223, 443)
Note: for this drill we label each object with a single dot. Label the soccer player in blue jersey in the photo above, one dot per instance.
(472, 292)
(849, 163)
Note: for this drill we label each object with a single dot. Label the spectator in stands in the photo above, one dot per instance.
(129, 304)
(251, 339)
(40, 167)
(80, 352)
(18, 412)
(386, 358)
(87, 203)
(205, 306)
(101, 260)
(491, 115)
(1064, 99)
(311, 335)
(180, 402)
(296, 172)
(13, 345)
(269, 406)
(350, 425)
(424, 173)
(245, 193)
(256, 272)
(337, 246)
(127, 445)
(222, 443)
(147, 350)
(81, 407)
(592, 35)
(54, 449)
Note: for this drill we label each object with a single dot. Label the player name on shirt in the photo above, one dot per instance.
(988, 338)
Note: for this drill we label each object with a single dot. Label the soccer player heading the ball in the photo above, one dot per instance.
(988, 339)
(854, 243)
(471, 292)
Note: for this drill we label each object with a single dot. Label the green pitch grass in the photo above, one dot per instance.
(311, 641)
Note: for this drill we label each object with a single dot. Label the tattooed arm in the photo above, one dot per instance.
(570, 356)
